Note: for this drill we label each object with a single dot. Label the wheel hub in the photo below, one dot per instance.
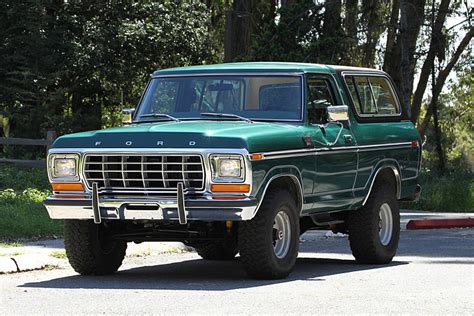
(385, 224)
(281, 234)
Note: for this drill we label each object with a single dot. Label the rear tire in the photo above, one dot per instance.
(89, 250)
(218, 250)
(374, 229)
(269, 242)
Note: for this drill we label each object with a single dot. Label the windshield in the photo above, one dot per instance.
(253, 97)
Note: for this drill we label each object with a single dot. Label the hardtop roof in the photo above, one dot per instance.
(257, 67)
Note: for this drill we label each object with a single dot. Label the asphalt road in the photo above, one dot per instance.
(433, 273)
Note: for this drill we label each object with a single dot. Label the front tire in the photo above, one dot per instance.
(374, 229)
(269, 242)
(88, 249)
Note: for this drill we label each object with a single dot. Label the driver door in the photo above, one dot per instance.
(336, 155)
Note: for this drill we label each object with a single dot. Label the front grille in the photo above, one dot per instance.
(144, 172)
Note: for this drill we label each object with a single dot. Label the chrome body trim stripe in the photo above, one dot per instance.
(327, 150)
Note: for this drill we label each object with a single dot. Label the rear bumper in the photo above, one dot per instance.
(135, 208)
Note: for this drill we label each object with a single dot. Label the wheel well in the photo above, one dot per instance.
(389, 174)
(291, 184)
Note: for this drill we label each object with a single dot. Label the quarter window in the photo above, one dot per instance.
(383, 96)
(372, 95)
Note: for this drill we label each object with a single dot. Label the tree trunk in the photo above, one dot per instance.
(400, 60)
(350, 27)
(332, 31)
(390, 54)
(412, 15)
(429, 61)
(372, 14)
(239, 26)
(441, 80)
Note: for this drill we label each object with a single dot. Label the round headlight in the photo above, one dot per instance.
(64, 167)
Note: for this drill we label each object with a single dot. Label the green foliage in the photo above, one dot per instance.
(23, 216)
(290, 38)
(59, 254)
(19, 179)
(10, 244)
(72, 65)
(456, 117)
(447, 193)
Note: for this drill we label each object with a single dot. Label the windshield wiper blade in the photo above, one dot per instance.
(229, 116)
(161, 115)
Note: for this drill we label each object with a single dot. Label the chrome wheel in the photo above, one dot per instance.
(281, 234)
(385, 224)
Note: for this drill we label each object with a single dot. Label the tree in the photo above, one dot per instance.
(239, 30)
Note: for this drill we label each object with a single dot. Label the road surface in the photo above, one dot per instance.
(432, 273)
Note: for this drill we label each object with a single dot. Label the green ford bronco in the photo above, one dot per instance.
(241, 158)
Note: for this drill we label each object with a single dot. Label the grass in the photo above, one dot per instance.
(11, 254)
(22, 214)
(10, 244)
(447, 193)
(59, 254)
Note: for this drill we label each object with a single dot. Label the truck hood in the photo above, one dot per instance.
(255, 137)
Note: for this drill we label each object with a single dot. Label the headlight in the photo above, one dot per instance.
(227, 168)
(64, 167)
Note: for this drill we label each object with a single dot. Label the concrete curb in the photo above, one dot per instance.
(37, 255)
(26, 262)
(441, 223)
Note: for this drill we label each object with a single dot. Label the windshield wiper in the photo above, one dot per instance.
(160, 115)
(229, 116)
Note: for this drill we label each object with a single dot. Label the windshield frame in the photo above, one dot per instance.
(300, 75)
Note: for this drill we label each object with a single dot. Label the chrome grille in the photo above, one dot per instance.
(144, 172)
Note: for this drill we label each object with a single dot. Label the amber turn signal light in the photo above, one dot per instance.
(256, 156)
(234, 188)
(67, 186)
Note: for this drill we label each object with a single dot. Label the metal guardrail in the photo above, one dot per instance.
(47, 142)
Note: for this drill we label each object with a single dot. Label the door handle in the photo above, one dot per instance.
(347, 139)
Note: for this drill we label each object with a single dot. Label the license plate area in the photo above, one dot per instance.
(142, 207)
(135, 211)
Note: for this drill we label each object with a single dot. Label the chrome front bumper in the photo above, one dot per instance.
(151, 208)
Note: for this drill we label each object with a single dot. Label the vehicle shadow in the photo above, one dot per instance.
(201, 275)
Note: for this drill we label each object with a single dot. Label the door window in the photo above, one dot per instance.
(319, 96)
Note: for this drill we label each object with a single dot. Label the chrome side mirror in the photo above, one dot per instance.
(338, 113)
(126, 120)
(128, 111)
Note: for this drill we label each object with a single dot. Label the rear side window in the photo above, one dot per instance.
(372, 96)
(383, 96)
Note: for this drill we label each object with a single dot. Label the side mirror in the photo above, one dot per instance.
(127, 120)
(128, 111)
(338, 113)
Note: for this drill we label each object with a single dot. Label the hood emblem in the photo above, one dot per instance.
(98, 143)
(159, 143)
